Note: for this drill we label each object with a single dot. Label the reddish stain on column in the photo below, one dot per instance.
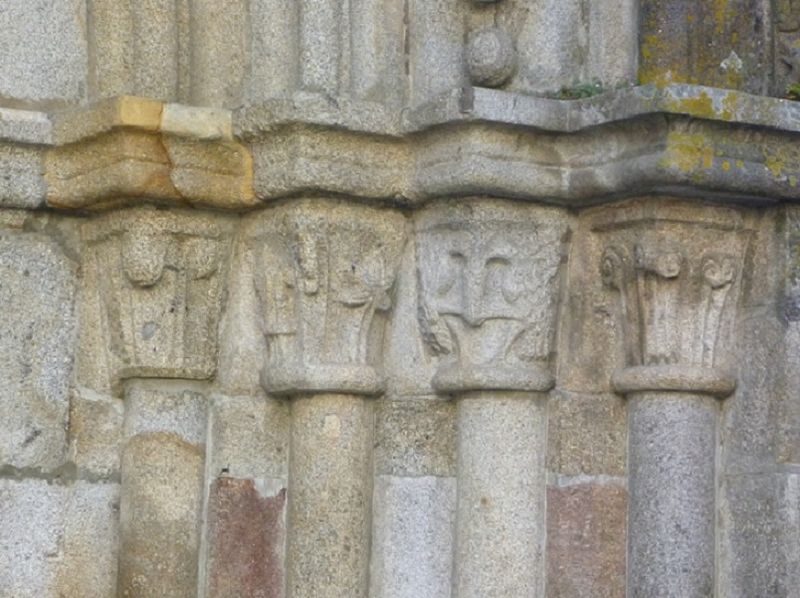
(245, 536)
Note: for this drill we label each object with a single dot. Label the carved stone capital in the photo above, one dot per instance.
(158, 275)
(677, 270)
(325, 273)
(489, 283)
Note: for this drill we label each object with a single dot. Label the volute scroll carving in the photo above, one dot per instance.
(325, 274)
(488, 279)
(159, 277)
(677, 279)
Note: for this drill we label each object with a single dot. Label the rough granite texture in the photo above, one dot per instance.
(399, 299)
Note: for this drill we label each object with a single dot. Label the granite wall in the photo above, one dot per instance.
(399, 298)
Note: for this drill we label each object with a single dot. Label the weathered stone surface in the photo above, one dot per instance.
(788, 425)
(378, 30)
(488, 278)
(90, 546)
(248, 437)
(436, 59)
(273, 50)
(168, 269)
(30, 537)
(22, 182)
(160, 49)
(246, 475)
(550, 38)
(241, 343)
(245, 536)
(721, 44)
(162, 493)
(586, 540)
(324, 280)
(415, 437)
(43, 53)
(760, 523)
(37, 290)
(26, 126)
(586, 434)
(219, 57)
(491, 57)
(51, 532)
(312, 137)
(412, 537)
(672, 487)
(612, 53)
(330, 464)
(95, 433)
(500, 538)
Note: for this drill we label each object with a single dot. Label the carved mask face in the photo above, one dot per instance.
(476, 277)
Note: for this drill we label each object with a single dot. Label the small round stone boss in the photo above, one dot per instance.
(491, 57)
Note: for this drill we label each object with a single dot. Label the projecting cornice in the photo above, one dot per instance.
(683, 139)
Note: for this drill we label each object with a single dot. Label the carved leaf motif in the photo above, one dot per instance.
(718, 270)
(201, 257)
(611, 267)
(664, 263)
(143, 255)
(434, 330)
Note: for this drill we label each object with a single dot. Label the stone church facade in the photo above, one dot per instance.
(400, 298)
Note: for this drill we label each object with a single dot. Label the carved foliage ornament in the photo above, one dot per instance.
(324, 279)
(677, 281)
(488, 279)
(158, 277)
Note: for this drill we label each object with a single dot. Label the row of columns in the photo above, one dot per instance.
(488, 277)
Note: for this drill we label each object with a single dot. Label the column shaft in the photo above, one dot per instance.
(330, 491)
(162, 473)
(671, 518)
(501, 488)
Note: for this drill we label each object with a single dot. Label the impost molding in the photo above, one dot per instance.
(690, 139)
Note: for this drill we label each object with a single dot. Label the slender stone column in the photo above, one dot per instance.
(161, 498)
(159, 279)
(324, 281)
(676, 269)
(489, 274)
